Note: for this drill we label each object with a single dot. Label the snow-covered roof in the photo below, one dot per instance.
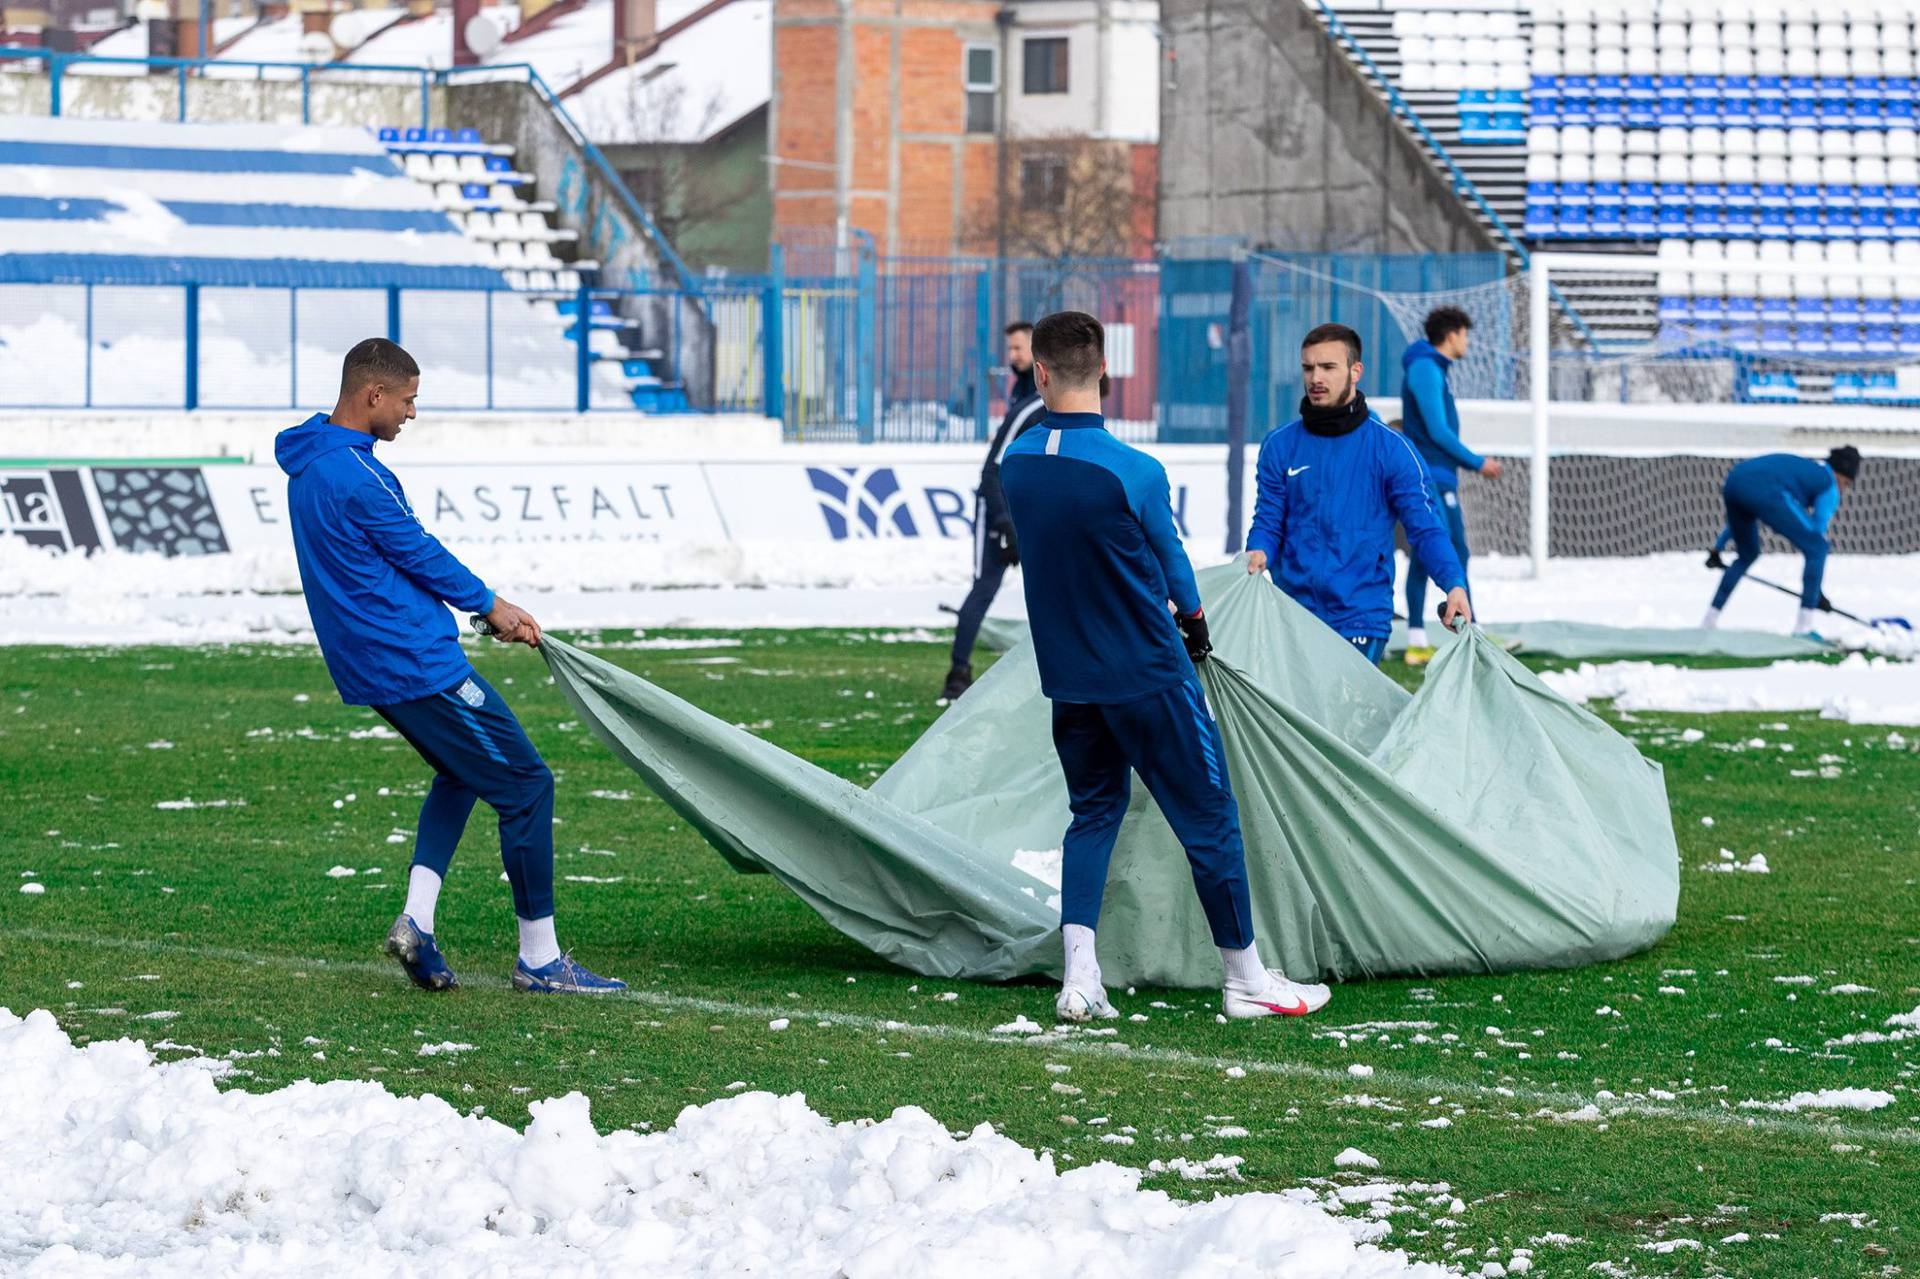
(699, 82)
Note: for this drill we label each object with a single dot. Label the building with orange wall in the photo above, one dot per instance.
(1026, 128)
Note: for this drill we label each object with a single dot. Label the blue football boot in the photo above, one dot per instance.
(564, 976)
(425, 965)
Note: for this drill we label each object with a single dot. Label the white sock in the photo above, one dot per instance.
(538, 946)
(1711, 621)
(1416, 637)
(1243, 966)
(1804, 623)
(423, 892)
(1083, 966)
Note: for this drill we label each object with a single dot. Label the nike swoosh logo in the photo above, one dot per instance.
(1295, 470)
(1295, 1010)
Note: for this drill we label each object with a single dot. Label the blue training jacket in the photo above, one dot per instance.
(1806, 484)
(1428, 415)
(377, 583)
(1324, 515)
(1101, 558)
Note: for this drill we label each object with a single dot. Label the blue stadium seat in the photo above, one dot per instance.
(416, 134)
(389, 134)
(1641, 220)
(1882, 386)
(1776, 337)
(1540, 219)
(1609, 219)
(468, 137)
(1576, 221)
(1675, 310)
(474, 191)
(1742, 309)
(440, 135)
(1849, 388)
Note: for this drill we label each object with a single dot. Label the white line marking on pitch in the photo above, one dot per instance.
(1109, 1049)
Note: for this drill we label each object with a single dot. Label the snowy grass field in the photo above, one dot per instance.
(203, 850)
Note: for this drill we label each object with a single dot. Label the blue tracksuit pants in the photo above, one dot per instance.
(1417, 575)
(1749, 505)
(1171, 740)
(479, 751)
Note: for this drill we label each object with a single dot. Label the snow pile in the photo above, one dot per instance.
(1826, 1099)
(111, 1164)
(1859, 689)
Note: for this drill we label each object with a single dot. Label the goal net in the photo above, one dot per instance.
(1640, 379)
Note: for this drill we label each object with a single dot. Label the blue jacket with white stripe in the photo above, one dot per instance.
(1330, 487)
(1101, 558)
(377, 583)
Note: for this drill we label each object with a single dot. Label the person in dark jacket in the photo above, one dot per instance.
(1117, 628)
(378, 587)
(1330, 486)
(995, 548)
(1430, 420)
(1794, 496)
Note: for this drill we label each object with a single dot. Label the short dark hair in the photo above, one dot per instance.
(1072, 345)
(1334, 333)
(1845, 460)
(376, 360)
(1444, 320)
(1018, 326)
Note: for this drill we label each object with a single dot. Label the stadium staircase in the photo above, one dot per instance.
(474, 182)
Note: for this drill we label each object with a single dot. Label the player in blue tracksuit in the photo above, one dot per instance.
(1117, 627)
(1794, 496)
(1430, 420)
(378, 586)
(1330, 486)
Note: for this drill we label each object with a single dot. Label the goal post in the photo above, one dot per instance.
(1833, 329)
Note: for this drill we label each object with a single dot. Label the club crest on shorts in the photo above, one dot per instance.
(472, 694)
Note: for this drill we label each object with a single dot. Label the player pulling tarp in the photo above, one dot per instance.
(1483, 824)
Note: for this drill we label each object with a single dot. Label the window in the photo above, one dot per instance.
(983, 87)
(1043, 184)
(1045, 64)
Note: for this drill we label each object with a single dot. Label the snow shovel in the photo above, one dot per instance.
(1900, 622)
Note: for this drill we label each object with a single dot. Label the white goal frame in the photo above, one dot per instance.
(1541, 270)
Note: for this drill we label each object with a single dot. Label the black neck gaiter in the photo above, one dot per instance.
(1337, 419)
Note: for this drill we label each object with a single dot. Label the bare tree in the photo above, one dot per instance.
(674, 175)
(1064, 196)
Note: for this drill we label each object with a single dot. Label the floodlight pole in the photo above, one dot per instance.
(1539, 369)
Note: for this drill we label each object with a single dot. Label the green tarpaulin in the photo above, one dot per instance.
(1482, 825)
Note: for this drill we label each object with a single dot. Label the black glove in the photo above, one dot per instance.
(1714, 560)
(1194, 631)
(1004, 545)
(1825, 605)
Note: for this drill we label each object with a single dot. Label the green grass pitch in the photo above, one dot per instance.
(1594, 1116)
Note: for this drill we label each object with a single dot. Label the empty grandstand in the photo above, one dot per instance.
(1770, 145)
(162, 264)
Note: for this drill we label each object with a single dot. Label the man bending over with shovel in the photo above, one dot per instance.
(1794, 496)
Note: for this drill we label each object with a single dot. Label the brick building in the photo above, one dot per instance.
(1025, 128)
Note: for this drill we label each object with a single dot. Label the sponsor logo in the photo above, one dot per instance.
(48, 508)
(862, 502)
(1295, 470)
(472, 694)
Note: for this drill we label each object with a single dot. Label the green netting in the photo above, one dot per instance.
(1588, 641)
(1484, 824)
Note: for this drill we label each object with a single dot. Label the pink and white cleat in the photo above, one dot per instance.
(1276, 997)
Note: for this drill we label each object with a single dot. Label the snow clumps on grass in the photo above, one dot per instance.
(345, 1177)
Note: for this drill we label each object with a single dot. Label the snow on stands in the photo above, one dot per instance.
(1859, 689)
(112, 1164)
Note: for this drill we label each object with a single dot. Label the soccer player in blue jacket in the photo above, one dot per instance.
(1794, 496)
(1331, 484)
(1117, 628)
(1429, 419)
(378, 586)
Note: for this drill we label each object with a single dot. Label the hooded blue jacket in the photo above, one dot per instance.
(1429, 418)
(377, 583)
(1327, 499)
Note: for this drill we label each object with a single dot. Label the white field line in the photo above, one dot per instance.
(1383, 1077)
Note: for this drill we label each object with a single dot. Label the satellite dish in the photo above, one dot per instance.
(346, 29)
(484, 34)
(317, 46)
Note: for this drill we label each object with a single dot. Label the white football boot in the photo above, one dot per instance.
(1275, 997)
(1083, 1003)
